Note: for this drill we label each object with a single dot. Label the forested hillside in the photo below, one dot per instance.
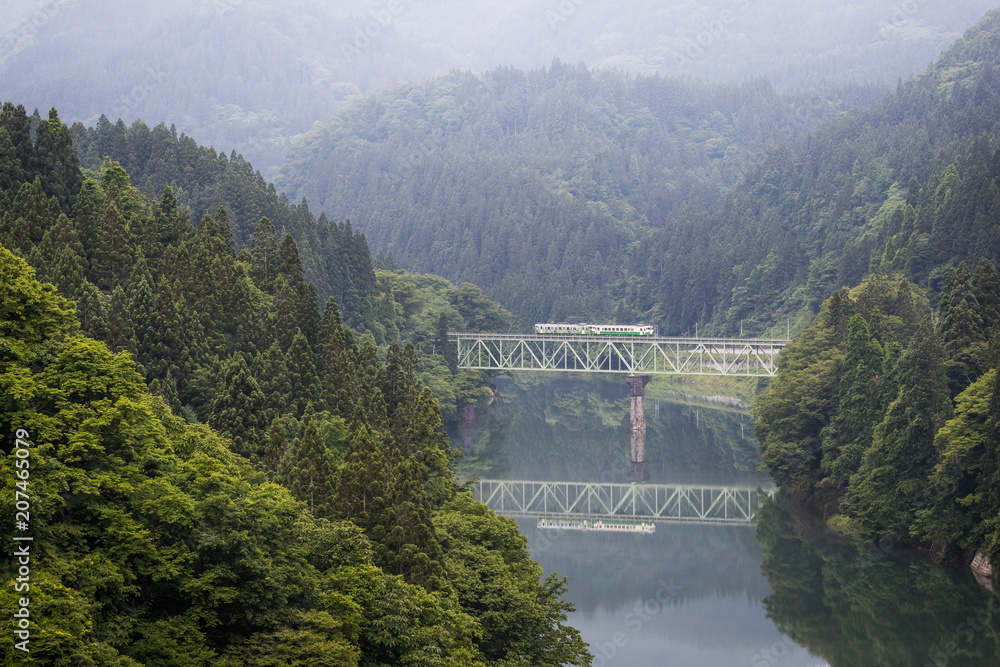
(153, 543)
(313, 517)
(891, 416)
(254, 74)
(908, 185)
(569, 194)
(334, 258)
(886, 409)
(541, 186)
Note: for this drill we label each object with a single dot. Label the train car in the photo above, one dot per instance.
(583, 329)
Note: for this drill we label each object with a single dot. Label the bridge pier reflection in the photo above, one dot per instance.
(637, 419)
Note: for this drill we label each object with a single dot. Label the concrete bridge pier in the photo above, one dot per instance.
(637, 414)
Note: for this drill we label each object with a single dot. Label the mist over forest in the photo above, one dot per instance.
(251, 75)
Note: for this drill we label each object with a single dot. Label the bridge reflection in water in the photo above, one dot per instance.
(667, 503)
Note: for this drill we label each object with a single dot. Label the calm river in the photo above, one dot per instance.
(782, 592)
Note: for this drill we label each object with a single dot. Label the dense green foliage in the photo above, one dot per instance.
(333, 257)
(160, 542)
(862, 411)
(183, 301)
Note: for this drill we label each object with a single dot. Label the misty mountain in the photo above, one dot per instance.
(910, 186)
(252, 75)
(567, 193)
(538, 185)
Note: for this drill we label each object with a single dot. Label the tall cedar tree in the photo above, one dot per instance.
(238, 410)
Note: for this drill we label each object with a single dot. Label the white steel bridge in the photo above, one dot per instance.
(669, 503)
(741, 357)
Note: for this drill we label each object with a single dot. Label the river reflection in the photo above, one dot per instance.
(685, 595)
(783, 593)
(873, 607)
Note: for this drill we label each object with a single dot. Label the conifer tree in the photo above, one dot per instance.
(361, 486)
(367, 364)
(284, 312)
(427, 446)
(986, 287)
(373, 409)
(112, 258)
(301, 300)
(56, 162)
(307, 471)
(301, 367)
(141, 308)
(443, 346)
(396, 381)
(59, 258)
(264, 255)
(271, 371)
(87, 216)
(32, 216)
(239, 408)
(961, 322)
(410, 547)
(15, 120)
(225, 231)
(962, 329)
(166, 387)
(90, 311)
(166, 215)
(337, 379)
(121, 330)
(960, 504)
(11, 175)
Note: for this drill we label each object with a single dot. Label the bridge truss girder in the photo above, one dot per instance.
(601, 354)
(674, 503)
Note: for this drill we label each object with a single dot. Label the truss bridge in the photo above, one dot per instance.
(633, 355)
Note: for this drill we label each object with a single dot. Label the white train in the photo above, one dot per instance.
(583, 329)
(598, 524)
